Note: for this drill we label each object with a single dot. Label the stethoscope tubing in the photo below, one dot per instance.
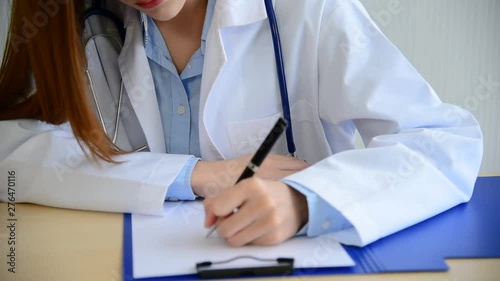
(280, 66)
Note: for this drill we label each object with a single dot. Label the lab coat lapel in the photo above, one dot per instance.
(228, 13)
(138, 81)
(240, 12)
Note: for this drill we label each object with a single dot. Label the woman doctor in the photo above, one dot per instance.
(201, 85)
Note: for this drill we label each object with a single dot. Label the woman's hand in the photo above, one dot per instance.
(209, 179)
(269, 212)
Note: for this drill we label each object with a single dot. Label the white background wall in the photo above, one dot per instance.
(455, 44)
(4, 22)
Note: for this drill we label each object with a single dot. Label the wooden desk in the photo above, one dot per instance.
(56, 244)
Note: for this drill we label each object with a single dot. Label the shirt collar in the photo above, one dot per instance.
(204, 34)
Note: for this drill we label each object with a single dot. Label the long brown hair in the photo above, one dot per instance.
(44, 46)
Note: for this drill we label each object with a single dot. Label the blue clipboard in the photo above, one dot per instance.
(469, 230)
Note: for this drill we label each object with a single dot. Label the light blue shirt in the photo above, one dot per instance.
(179, 98)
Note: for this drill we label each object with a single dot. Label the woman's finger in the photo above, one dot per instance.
(286, 163)
(270, 238)
(253, 232)
(275, 174)
(246, 215)
(224, 204)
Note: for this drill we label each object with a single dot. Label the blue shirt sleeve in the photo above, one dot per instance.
(181, 188)
(323, 218)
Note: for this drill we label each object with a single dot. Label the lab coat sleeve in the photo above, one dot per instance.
(422, 156)
(51, 169)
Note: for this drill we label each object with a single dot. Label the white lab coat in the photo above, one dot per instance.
(422, 156)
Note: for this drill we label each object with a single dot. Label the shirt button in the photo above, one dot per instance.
(326, 225)
(181, 110)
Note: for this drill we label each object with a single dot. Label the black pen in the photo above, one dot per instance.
(259, 156)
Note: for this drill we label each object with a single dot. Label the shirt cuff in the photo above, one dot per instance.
(323, 218)
(181, 188)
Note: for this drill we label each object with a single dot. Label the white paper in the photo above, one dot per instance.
(173, 244)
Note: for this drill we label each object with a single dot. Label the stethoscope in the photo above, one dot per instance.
(98, 10)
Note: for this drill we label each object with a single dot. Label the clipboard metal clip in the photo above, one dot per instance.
(279, 266)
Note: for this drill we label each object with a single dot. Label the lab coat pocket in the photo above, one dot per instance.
(247, 136)
(309, 136)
